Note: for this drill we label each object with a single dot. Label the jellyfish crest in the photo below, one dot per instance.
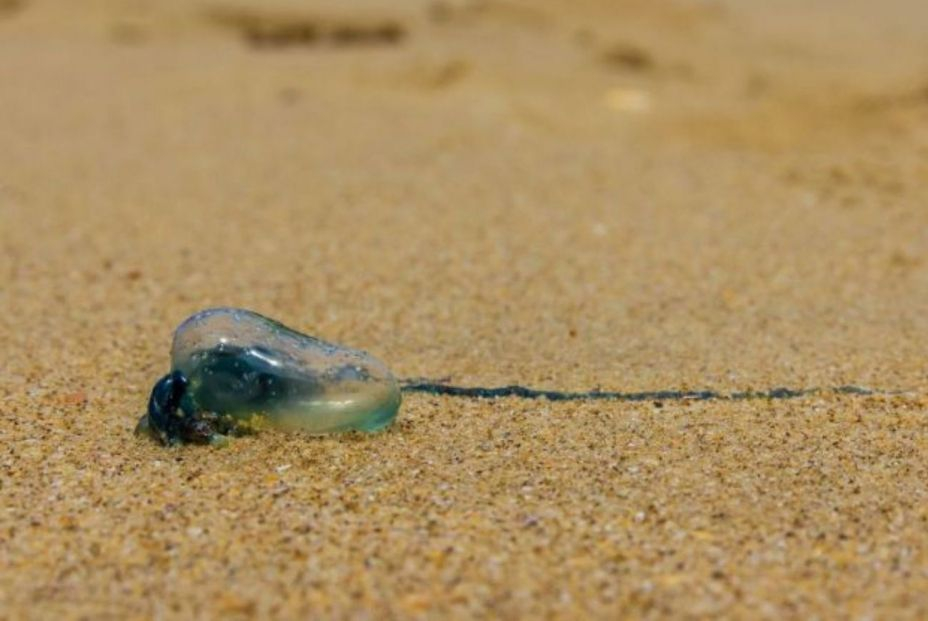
(233, 330)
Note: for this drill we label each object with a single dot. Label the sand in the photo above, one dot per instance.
(615, 194)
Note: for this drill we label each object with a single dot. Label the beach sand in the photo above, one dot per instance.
(616, 194)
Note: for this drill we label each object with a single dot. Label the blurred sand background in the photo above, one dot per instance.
(624, 194)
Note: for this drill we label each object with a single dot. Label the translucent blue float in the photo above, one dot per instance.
(235, 372)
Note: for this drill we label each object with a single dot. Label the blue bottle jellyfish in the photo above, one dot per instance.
(235, 372)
